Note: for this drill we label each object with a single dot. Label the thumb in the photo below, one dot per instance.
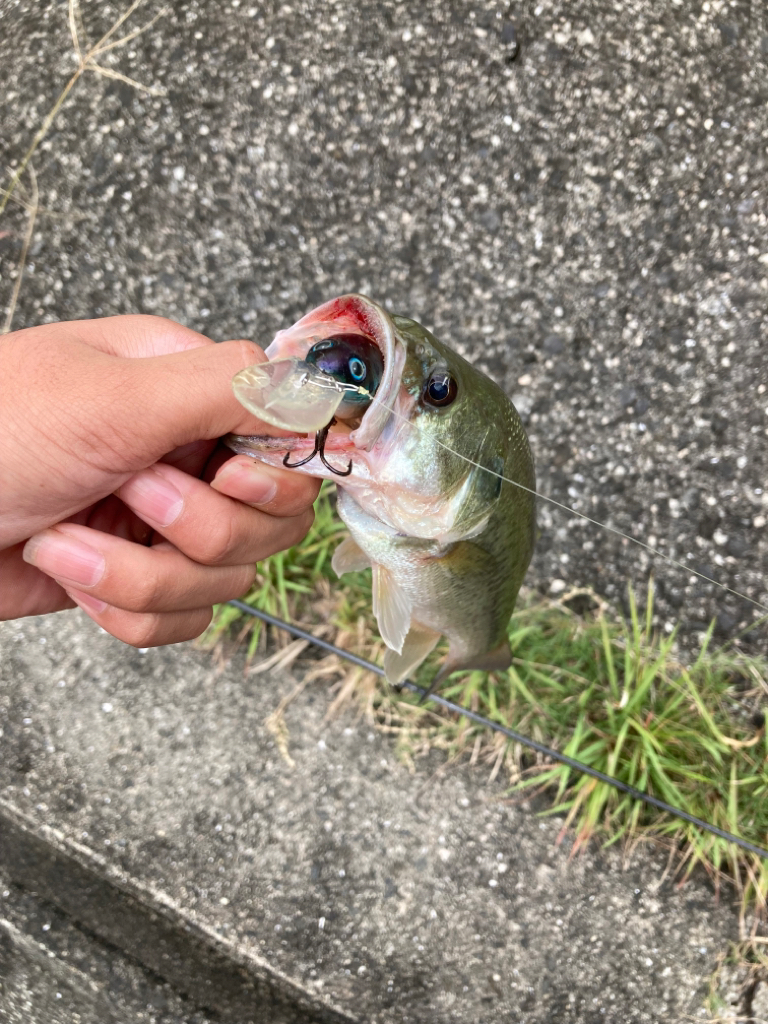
(187, 396)
(77, 422)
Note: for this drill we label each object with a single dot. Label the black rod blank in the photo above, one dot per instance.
(526, 741)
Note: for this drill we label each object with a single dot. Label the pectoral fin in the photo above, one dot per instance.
(392, 608)
(416, 646)
(349, 557)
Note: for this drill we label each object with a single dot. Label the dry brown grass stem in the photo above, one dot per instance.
(499, 760)
(41, 210)
(85, 62)
(282, 659)
(276, 723)
(32, 208)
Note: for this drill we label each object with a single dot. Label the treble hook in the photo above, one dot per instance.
(319, 449)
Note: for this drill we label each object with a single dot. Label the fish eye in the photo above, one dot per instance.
(441, 389)
(357, 368)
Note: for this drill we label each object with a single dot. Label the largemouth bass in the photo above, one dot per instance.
(418, 441)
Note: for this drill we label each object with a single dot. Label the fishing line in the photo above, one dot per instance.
(581, 515)
(611, 529)
(512, 734)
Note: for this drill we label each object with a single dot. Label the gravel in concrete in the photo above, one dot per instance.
(384, 895)
(574, 196)
(52, 972)
(587, 221)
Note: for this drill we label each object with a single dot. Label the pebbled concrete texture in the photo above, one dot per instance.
(52, 972)
(344, 885)
(587, 222)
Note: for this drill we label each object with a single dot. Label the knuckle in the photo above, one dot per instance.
(186, 627)
(152, 325)
(140, 630)
(146, 591)
(154, 322)
(311, 489)
(216, 543)
(200, 621)
(299, 526)
(302, 498)
(245, 577)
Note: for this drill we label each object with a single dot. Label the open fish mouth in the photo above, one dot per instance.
(299, 444)
(293, 394)
(335, 452)
(271, 392)
(323, 445)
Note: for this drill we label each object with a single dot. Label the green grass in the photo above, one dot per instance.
(608, 691)
(290, 583)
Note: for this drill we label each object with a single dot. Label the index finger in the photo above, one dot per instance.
(213, 528)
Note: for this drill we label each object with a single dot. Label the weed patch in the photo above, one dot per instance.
(608, 691)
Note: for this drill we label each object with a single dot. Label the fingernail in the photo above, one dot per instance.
(65, 557)
(153, 498)
(247, 482)
(86, 601)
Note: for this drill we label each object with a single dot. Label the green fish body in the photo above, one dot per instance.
(431, 501)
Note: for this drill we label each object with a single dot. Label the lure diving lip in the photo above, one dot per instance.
(290, 394)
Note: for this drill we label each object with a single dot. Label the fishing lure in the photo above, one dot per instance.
(357, 365)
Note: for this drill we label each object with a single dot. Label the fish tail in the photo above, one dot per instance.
(497, 660)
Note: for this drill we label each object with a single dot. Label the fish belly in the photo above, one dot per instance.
(458, 591)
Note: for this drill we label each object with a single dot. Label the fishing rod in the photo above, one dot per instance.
(505, 730)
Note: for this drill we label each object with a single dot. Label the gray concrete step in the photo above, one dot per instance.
(52, 972)
(143, 794)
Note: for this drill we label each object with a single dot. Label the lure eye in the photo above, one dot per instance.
(357, 369)
(441, 389)
(353, 360)
(350, 358)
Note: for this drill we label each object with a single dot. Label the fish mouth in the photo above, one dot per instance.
(294, 451)
(348, 314)
(343, 447)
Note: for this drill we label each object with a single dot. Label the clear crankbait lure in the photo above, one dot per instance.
(290, 394)
(296, 395)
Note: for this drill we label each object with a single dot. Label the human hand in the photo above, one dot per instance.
(114, 491)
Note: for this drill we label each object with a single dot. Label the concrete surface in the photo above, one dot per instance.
(52, 972)
(344, 886)
(587, 222)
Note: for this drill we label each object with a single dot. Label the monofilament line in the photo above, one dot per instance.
(512, 734)
(581, 515)
(611, 529)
